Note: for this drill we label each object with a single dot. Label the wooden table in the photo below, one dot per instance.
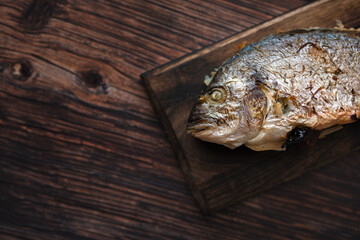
(82, 153)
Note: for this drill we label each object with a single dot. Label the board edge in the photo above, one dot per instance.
(175, 145)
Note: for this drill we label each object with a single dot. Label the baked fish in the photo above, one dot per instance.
(272, 92)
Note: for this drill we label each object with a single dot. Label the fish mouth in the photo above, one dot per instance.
(196, 128)
(199, 122)
(199, 126)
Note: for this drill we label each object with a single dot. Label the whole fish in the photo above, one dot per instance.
(271, 92)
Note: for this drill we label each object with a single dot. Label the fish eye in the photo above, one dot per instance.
(217, 95)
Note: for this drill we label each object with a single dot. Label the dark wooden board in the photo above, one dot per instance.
(82, 152)
(220, 177)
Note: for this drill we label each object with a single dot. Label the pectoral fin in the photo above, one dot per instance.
(296, 136)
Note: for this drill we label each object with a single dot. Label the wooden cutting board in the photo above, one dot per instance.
(218, 176)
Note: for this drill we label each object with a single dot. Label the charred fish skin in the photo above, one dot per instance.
(307, 78)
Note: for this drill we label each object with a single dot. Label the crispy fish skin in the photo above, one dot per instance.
(305, 78)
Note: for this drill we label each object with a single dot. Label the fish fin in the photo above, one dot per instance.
(330, 130)
(355, 116)
(256, 103)
(296, 136)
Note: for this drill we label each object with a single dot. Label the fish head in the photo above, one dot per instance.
(230, 111)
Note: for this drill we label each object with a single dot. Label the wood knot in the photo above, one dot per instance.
(92, 79)
(38, 13)
(21, 70)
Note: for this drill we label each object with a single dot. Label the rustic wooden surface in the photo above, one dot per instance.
(218, 176)
(82, 153)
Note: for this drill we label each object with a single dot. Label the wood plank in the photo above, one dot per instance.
(220, 177)
(78, 162)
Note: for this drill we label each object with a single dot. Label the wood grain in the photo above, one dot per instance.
(82, 154)
(220, 177)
